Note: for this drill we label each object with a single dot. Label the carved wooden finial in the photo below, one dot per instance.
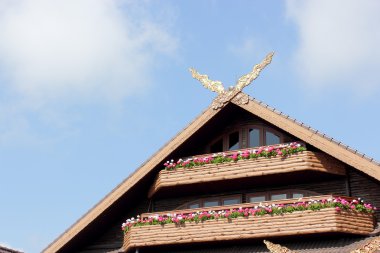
(226, 95)
(370, 247)
(277, 248)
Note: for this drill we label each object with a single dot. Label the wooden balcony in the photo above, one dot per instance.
(299, 223)
(244, 172)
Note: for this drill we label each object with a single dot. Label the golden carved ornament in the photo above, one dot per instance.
(248, 78)
(370, 247)
(225, 96)
(277, 248)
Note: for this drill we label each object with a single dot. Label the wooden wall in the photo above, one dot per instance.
(325, 187)
(359, 185)
(365, 187)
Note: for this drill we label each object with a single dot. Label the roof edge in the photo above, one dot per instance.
(309, 135)
(131, 180)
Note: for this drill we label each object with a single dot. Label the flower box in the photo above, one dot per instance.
(328, 220)
(262, 166)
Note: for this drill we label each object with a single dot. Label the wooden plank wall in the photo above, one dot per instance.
(360, 185)
(366, 188)
(327, 187)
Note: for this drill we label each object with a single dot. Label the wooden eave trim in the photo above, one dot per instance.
(128, 183)
(313, 138)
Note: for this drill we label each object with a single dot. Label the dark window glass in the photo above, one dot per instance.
(233, 141)
(297, 195)
(271, 138)
(217, 146)
(209, 203)
(231, 201)
(257, 199)
(254, 137)
(194, 205)
(278, 196)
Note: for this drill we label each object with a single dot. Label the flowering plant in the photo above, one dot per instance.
(339, 204)
(267, 151)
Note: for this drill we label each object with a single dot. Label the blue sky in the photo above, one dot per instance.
(89, 89)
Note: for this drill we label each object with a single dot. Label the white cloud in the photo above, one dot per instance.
(55, 55)
(84, 50)
(338, 44)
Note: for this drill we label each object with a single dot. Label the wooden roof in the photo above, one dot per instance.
(4, 249)
(261, 110)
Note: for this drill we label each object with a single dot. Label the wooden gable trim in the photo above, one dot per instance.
(312, 138)
(128, 183)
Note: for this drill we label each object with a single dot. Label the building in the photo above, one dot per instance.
(4, 249)
(326, 170)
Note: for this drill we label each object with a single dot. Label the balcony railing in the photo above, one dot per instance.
(306, 161)
(324, 221)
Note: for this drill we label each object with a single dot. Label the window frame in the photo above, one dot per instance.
(289, 194)
(244, 140)
(219, 199)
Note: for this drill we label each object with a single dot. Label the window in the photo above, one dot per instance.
(216, 201)
(246, 137)
(256, 198)
(254, 137)
(271, 138)
(208, 203)
(278, 195)
(233, 141)
(194, 205)
(231, 201)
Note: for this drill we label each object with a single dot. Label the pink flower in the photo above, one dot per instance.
(337, 209)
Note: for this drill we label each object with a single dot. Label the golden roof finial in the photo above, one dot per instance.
(277, 248)
(226, 95)
(370, 247)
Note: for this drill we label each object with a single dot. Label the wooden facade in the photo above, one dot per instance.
(247, 169)
(326, 167)
(325, 221)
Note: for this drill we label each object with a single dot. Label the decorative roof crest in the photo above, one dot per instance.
(233, 93)
(277, 248)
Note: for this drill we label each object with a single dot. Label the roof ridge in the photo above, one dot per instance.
(325, 136)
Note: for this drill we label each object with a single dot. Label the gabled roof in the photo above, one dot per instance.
(257, 108)
(4, 249)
